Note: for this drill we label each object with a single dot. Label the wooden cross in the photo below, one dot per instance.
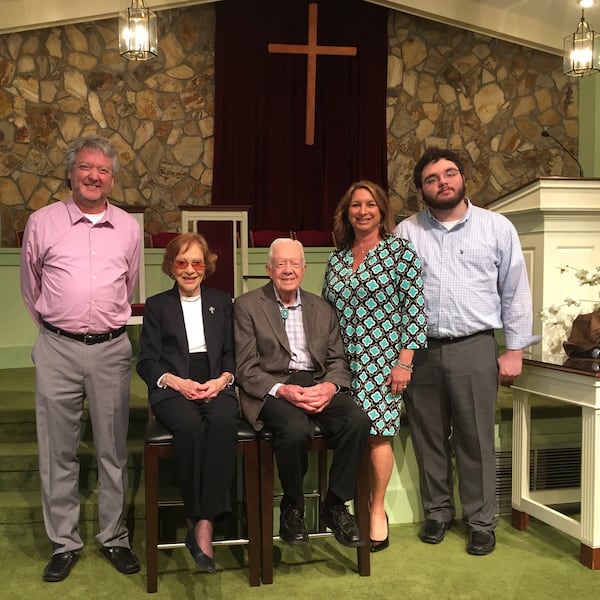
(311, 50)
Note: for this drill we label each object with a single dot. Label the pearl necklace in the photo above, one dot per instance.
(190, 298)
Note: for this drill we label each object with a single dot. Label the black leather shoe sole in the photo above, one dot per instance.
(122, 559)
(481, 543)
(433, 532)
(60, 566)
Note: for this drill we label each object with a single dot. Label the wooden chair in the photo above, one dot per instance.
(162, 238)
(158, 445)
(267, 484)
(314, 237)
(263, 238)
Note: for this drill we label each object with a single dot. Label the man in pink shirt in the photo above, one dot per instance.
(79, 267)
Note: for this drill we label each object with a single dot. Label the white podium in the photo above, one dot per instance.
(558, 221)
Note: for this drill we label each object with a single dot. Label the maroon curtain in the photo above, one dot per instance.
(261, 157)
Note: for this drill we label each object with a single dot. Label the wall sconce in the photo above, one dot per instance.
(582, 48)
(138, 33)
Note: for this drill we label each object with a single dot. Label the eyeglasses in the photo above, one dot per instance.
(197, 265)
(448, 174)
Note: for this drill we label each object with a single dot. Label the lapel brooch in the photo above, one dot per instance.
(211, 310)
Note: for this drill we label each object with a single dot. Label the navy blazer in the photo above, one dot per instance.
(164, 344)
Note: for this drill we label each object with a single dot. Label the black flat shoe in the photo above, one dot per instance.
(60, 566)
(379, 545)
(205, 562)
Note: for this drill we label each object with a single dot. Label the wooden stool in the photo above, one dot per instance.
(267, 485)
(159, 445)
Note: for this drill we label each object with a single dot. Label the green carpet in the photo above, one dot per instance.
(539, 563)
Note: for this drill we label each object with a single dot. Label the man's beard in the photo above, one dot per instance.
(447, 203)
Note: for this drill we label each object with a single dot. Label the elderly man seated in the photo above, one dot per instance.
(291, 371)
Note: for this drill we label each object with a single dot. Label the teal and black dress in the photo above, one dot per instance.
(381, 310)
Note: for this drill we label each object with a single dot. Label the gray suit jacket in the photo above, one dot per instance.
(262, 350)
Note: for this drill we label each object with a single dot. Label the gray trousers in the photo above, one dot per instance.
(67, 372)
(450, 404)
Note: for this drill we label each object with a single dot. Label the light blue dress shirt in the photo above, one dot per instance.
(474, 275)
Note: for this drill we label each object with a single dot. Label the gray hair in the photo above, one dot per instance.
(278, 241)
(93, 142)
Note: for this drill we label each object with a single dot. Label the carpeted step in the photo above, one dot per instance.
(20, 502)
(21, 517)
(19, 465)
(17, 423)
(20, 507)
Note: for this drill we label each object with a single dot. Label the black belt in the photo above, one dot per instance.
(452, 340)
(87, 338)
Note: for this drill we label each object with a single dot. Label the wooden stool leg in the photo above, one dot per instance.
(362, 511)
(251, 486)
(322, 483)
(266, 503)
(151, 501)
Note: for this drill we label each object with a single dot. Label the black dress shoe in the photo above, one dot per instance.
(343, 524)
(481, 542)
(205, 562)
(292, 529)
(122, 559)
(432, 531)
(379, 545)
(60, 566)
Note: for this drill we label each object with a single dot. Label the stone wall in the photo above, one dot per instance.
(60, 83)
(486, 98)
(446, 86)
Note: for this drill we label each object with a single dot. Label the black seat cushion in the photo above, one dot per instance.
(158, 434)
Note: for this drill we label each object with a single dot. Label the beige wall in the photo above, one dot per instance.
(517, 22)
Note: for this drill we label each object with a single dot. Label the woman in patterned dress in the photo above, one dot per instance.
(373, 280)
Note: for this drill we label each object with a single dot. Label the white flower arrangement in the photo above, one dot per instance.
(558, 319)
